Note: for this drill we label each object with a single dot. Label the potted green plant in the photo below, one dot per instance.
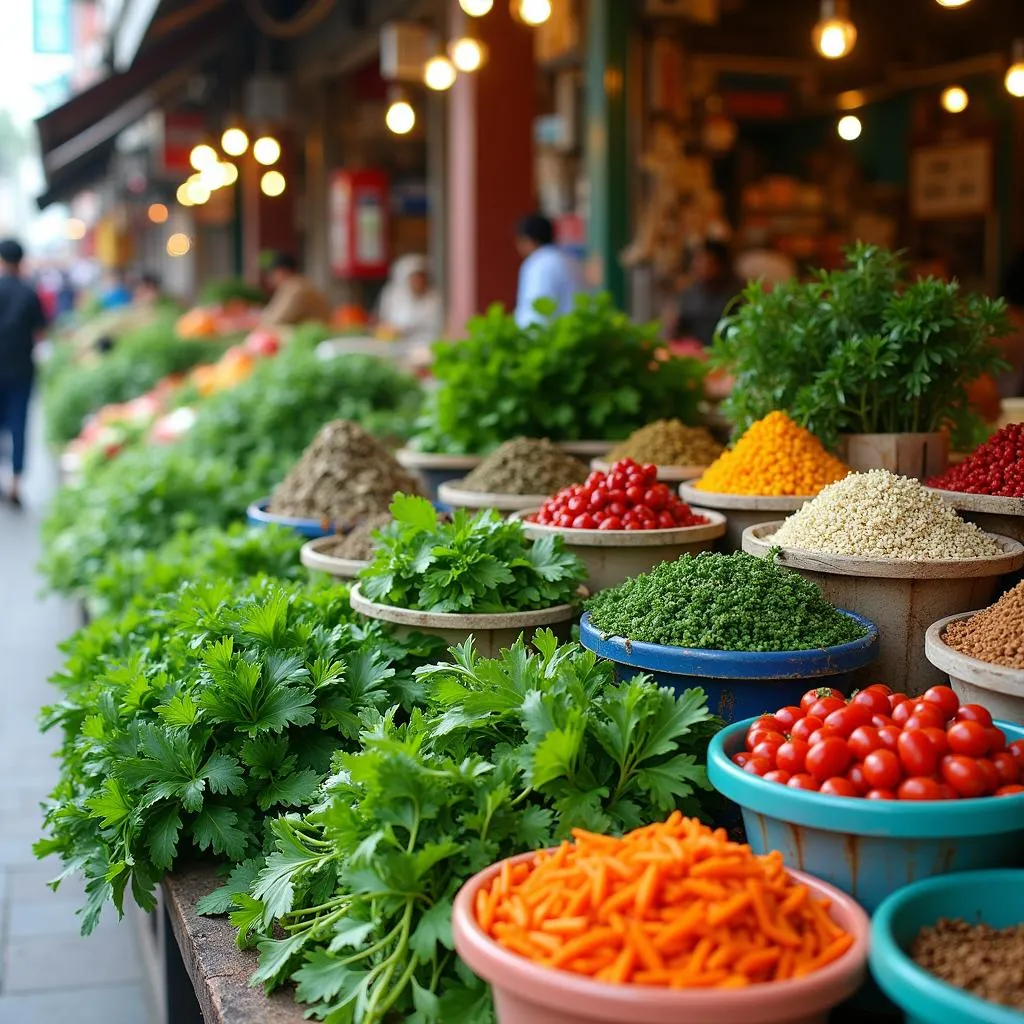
(873, 365)
(476, 575)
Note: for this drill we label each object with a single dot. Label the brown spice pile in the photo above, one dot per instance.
(345, 475)
(985, 961)
(668, 443)
(358, 543)
(526, 465)
(995, 635)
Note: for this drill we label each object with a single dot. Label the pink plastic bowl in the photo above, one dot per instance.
(525, 993)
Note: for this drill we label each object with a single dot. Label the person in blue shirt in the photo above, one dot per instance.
(546, 271)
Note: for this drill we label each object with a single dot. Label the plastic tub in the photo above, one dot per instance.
(739, 684)
(527, 993)
(434, 468)
(257, 515)
(992, 897)
(998, 688)
(613, 556)
(869, 848)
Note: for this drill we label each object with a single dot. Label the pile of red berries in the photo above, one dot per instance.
(885, 746)
(627, 497)
(997, 467)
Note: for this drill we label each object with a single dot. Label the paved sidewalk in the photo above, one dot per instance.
(48, 973)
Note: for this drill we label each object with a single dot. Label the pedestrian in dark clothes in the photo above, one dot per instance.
(21, 323)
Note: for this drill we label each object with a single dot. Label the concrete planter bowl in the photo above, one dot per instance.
(666, 474)
(740, 510)
(313, 557)
(613, 556)
(992, 513)
(492, 632)
(454, 494)
(434, 468)
(996, 687)
(905, 597)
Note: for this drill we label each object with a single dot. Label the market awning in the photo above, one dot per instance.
(77, 137)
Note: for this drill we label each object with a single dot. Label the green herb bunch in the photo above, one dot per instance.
(858, 350)
(478, 563)
(230, 289)
(185, 725)
(590, 374)
(354, 905)
(731, 602)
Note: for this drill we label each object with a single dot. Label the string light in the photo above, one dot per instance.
(202, 156)
(439, 73)
(229, 172)
(266, 150)
(157, 213)
(400, 118)
(531, 12)
(183, 196)
(467, 54)
(1014, 80)
(234, 141)
(834, 35)
(952, 3)
(272, 184)
(954, 99)
(179, 244)
(197, 191)
(849, 128)
(476, 8)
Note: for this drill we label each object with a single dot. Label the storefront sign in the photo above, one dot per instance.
(51, 26)
(951, 181)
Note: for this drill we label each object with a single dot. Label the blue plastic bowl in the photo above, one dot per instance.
(869, 848)
(739, 684)
(257, 515)
(993, 897)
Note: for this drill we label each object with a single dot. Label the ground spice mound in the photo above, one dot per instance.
(880, 515)
(995, 635)
(987, 962)
(343, 476)
(774, 458)
(667, 443)
(997, 467)
(526, 465)
(358, 543)
(722, 602)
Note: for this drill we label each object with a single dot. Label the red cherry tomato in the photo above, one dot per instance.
(765, 722)
(788, 716)
(874, 700)
(974, 713)
(968, 737)
(889, 735)
(777, 775)
(829, 758)
(811, 697)
(881, 687)
(938, 738)
(963, 775)
(741, 758)
(792, 755)
(925, 716)
(878, 721)
(917, 753)
(756, 736)
(768, 749)
(856, 775)
(847, 718)
(803, 729)
(824, 707)
(611, 523)
(918, 788)
(839, 786)
(944, 698)
(863, 740)
(584, 521)
(879, 794)
(803, 781)
(902, 712)
(895, 699)
(1007, 790)
(882, 770)
(758, 765)
(1016, 751)
(996, 739)
(990, 775)
(822, 734)
(1006, 768)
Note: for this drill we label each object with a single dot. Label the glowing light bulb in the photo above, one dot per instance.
(476, 8)
(213, 176)
(952, 3)
(197, 191)
(439, 73)
(157, 213)
(467, 54)
(234, 142)
(229, 173)
(400, 118)
(75, 229)
(849, 127)
(834, 35)
(202, 156)
(178, 244)
(183, 196)
(272, 184)
(954, 99)
(531, 12)
(266, 150)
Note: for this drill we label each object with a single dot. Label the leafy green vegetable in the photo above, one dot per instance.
(230, 289)
(590, 374)
(186, 723)
(857, 350)
(354, 904)
(476, 563)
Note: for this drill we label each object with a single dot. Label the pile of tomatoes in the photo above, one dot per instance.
(882, 745)
(627, 497)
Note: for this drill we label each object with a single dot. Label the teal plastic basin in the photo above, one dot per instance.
(869, 848)
(993, 897)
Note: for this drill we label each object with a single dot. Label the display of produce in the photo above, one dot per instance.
(674, 905)
(359, 542)
(774, 458)
(722, 602)
(627, 497)
(510, 755)
(996, 468)
(995, 635)
(880, 515)
(882, 745)
(859, 350)
(345, 475)
(526, 465)
(591, 374)
(972, 955)
(668, 443)
(479, 563)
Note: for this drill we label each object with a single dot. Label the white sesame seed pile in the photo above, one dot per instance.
(881, 515)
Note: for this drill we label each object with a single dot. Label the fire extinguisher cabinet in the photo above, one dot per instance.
(359, 229)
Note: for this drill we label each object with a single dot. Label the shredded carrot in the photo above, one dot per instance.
(671, 905)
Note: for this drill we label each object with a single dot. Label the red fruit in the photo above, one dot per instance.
(577, 504)
(777, 775)
(883, 770)
(939, 741)
(792, 755)
(968, 737)
(1003, 790)
(616, 508)
(863, 740)
(944, 698)
(857, 777)
(874, 700)
(758, 766)
(825, 706)
(996, 739)
(828, 758)
(611, 523)
(811, 697)
(768, 722)
(881, 720)
(598, 500)
(920, 789)
(917, 753)
(974, 713)
(1016, 751)
(895, 699)
(634, 494)
(634, 525)
(963, 775)
(741, 758)
(657, 497)
(839, 786)
(666, 521)
(925, 716)
(803, 781)
(989, 774)
(1006, 768)
(768, 749)
(808, 725)
(822, 734)
(889, 735)
(584, 521)
(881, 687)
(880, 794)
(902, 712)
(788, 716)
(847, 718)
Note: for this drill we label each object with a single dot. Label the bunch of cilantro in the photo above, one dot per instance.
(187, 723)
(478, 563)
(354, 905)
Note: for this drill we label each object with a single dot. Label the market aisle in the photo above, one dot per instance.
(48, 973)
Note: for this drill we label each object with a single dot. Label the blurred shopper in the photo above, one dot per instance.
(410, 308)
(546, 271)
(147, 292)
(296, 299)
(704, 302)
(114, 292)
(21, 323)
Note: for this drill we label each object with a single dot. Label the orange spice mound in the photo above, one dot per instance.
(774, 457)
(673, 904)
